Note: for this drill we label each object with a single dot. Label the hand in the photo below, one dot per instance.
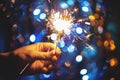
(41, 57)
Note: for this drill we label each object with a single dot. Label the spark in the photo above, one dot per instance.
(88, 36)
(90, 47)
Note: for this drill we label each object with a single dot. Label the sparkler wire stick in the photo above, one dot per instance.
(24, 68)
(26, 64)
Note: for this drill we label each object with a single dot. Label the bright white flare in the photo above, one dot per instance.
(60, 21)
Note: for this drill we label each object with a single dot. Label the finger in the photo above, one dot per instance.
(40, 55)
(46, 45)
(37, 65)
(54, 58)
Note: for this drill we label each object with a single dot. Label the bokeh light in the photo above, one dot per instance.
(79, 58)
(43, 16)
(61, 44)
(64, 5)
(36, 12)
(71, 48)
(70, 2)
(113, 62)
(32, 38)
(79, 30)
(85, 9)
(53, 36)
(85, 77)
(83, 71)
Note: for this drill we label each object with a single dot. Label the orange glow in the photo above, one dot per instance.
(112, 78)
(113, 62)
(92, 18)
(112, 47)
(106, 43)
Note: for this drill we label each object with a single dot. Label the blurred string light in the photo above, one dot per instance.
(45, 76)
(79, 30)
(85, 9)
(53, 36)
(79, 58)
(42, 16)
(32, 38)
(70, 2)
(85, 3)
(64, 5)
(85, 77)
(36, 12)
(71, 48)
(83, 71)
(61, 44)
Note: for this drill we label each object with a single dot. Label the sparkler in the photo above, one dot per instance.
(58, 22)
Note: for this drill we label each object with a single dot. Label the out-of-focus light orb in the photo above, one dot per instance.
(85, 77)
(42, 16)
(112, 45)
(113, 62)
(85, 3)
(64, 5)
(79, 30)
(67, 64)
(67, 31)
(79, 58)
(61, 44)
(106, 43)
(100, 29)
(71, 48)
(85, 9)
(46, 75)
(112, 78)
(70, 2)
(32, 38)
(83, 71)
(53, 36)
(92, 18)
(36, 12)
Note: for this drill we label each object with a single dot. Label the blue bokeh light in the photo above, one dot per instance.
(61, 44)
(79, 58)
(71, 48)
(36, 12)
(67, 31)
(32, 38)
(64, 5)
(85, 77)
(85, 9)
(79, 30)
(70, 2)
(83, 71)
(85, 3)
(53, 36)
(42, 16)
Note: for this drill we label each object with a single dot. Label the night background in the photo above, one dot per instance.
(90, 44)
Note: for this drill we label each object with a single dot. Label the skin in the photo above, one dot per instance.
(39, 57)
